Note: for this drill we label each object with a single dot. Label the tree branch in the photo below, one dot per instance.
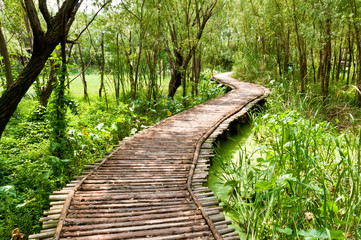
(45, 12)
(126, 8)
(91, 20)
(86, 27)
(33, 18)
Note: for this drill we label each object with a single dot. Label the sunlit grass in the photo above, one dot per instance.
(306, 184)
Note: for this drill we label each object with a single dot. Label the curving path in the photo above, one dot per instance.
(151, 186)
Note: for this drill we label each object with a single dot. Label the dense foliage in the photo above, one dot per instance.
(301, 181)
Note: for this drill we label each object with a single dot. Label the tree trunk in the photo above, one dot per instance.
(302, 54)
(358, 45)
(29, 33)
(6, 59)
(117, 79)
(141, 36)
(46, 90)
(177, 75)
(12, 95)
(325, 76)
(350, 52)
(101, 88)
(83, 80)
(198, 71)
(313, 66)
(338, 69)
(192, 79)
(44, 44)
(287, 51)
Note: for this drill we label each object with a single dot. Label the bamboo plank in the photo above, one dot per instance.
(146, 228)
(147, 233)
(102, 218)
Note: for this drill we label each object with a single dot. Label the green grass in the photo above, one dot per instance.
(93, 84)
(307, 182)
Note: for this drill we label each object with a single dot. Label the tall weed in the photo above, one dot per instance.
(306, 185)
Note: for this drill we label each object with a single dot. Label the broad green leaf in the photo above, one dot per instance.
(313, 233)
(286, 177)
(330, 206)
(231, 183)
(264, 186)
(286, 230)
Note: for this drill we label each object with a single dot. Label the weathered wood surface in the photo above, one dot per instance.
(152, 185)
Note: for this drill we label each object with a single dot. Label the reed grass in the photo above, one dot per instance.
(304, 180)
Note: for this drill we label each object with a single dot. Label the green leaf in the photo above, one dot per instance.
(286, 230)
(341, 222)
(336, 234)
(286, 177)
(8, 190)
(231, 183)
(264, 186)
(313, 233)
(330, 206)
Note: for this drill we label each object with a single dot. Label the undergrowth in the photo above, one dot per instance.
(29, 172)
(305, 182)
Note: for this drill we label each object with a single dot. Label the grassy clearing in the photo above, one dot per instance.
(305, 182)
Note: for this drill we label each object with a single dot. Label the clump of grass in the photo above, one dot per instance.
(307, 182)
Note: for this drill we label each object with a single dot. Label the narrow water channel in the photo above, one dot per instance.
(229, 151)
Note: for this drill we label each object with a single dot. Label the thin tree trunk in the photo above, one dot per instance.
(358, 45)
(46, 91)
(192, 79)
(300, 44)
(278, 59)
(313, 66)
(350, 51)
(101, 88)
(333, 72)
(29, 33)
(339, 63)
(287, 51)
(6, 59)
(83, 80)
(117, 80)
(198, 70)
(141, 36)
(328, 53)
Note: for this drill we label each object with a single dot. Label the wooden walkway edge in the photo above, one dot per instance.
(152, 185)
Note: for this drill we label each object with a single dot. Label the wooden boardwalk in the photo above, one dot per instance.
(152, 185)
